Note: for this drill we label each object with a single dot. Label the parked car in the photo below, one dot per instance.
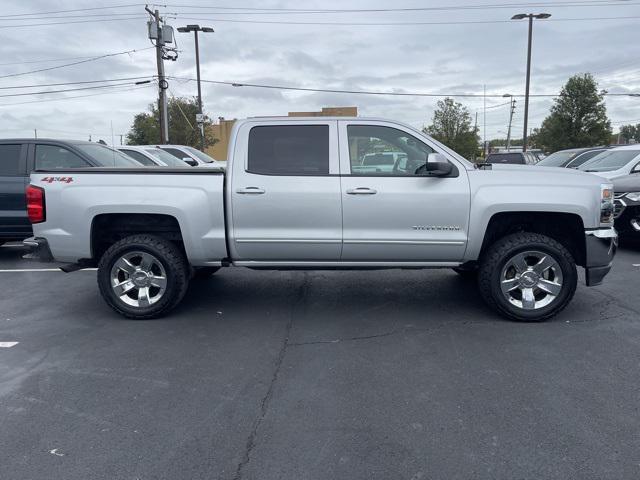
(517, 158)
(571, 158)
(627, 205)
(291, 200)
(18, 157)
(151, 156)
(190, 155)
(614, 163)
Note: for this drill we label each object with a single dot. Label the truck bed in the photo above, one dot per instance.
(76, 197)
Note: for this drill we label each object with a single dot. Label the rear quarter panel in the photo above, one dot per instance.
(194, 200)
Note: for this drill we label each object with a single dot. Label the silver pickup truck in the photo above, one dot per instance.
(298, 193)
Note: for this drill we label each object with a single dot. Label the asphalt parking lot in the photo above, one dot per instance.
(316, 375)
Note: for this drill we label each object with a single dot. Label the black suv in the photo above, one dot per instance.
(627, 205)
(19, 157)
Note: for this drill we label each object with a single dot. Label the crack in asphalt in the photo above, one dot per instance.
(264, 404)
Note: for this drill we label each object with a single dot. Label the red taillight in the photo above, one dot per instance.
(35, 204)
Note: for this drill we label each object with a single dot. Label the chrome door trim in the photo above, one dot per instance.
(406, 242)
(287, 240)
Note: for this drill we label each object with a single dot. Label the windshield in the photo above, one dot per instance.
(105, 156)
(609, 160)
(165, 157)
(202, 156)
(558, 159)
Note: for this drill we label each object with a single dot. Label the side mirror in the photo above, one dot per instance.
(190, 161)
(437, 166)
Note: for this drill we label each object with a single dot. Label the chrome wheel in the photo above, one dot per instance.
(531, 280)
(138, 279)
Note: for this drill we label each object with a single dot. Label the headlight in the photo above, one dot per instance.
(606, 204)
(633, 196)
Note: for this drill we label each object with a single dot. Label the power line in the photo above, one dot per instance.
(370, 92)
(65, 90)
(78, 83)
(70, 97)
(375, 24)
(92, 59)
(75, 10)
(137, 17)
(284, 11)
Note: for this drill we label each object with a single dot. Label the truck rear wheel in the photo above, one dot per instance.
(527, 277)
(143, 276)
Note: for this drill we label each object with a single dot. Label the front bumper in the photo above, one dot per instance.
(601, 246)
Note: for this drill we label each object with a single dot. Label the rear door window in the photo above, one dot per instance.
(289, 150)
(53, 157)
(10, 160)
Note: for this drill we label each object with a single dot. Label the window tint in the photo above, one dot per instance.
(375, 150)
(289, 150)
(51, 157)
(505, 158)
(10, 159)
(139, 157)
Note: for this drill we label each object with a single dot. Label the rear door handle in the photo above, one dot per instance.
(361, 191)
(250, 190)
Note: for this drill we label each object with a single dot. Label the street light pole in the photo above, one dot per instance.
(530, 16)
(200, 120)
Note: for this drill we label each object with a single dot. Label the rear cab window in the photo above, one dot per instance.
(55, 157)
(11, 164)
(294, 150)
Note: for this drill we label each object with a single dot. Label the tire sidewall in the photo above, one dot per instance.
(569, 282)
(104, 280)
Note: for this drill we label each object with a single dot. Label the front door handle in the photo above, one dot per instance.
(250, 190)
(361, 191)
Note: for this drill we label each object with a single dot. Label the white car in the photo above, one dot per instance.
(190, 155)
(614, 163)
(151, 156)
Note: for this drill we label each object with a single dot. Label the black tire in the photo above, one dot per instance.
(466, 273)
(204, 272)
(172, 261)
(495, 259)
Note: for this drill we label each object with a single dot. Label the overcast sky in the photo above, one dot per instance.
(444, 59)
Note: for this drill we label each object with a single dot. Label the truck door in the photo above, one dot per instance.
(390, 213)
(284, 191)
(14, 223)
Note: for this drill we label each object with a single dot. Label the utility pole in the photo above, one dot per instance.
(161, 34)
(530, 16)
(512, 110)
(200, 116)
(484, 122)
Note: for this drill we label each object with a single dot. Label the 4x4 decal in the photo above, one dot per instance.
(57, 179)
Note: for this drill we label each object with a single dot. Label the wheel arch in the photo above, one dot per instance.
(566, 228)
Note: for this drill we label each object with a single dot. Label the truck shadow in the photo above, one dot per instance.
(360, 300)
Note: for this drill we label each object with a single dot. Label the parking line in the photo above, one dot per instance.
(8, 344)
(27, 270)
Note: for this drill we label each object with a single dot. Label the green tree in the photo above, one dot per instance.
(451, 125)
(630, 132)
(183, 129)
(578, 117)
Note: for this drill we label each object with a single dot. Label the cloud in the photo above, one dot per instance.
(426, 58)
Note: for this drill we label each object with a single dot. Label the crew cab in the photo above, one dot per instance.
(294, 196)
(18, 157)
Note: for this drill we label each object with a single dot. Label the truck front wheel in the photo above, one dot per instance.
(527, 276)
(143, 276)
